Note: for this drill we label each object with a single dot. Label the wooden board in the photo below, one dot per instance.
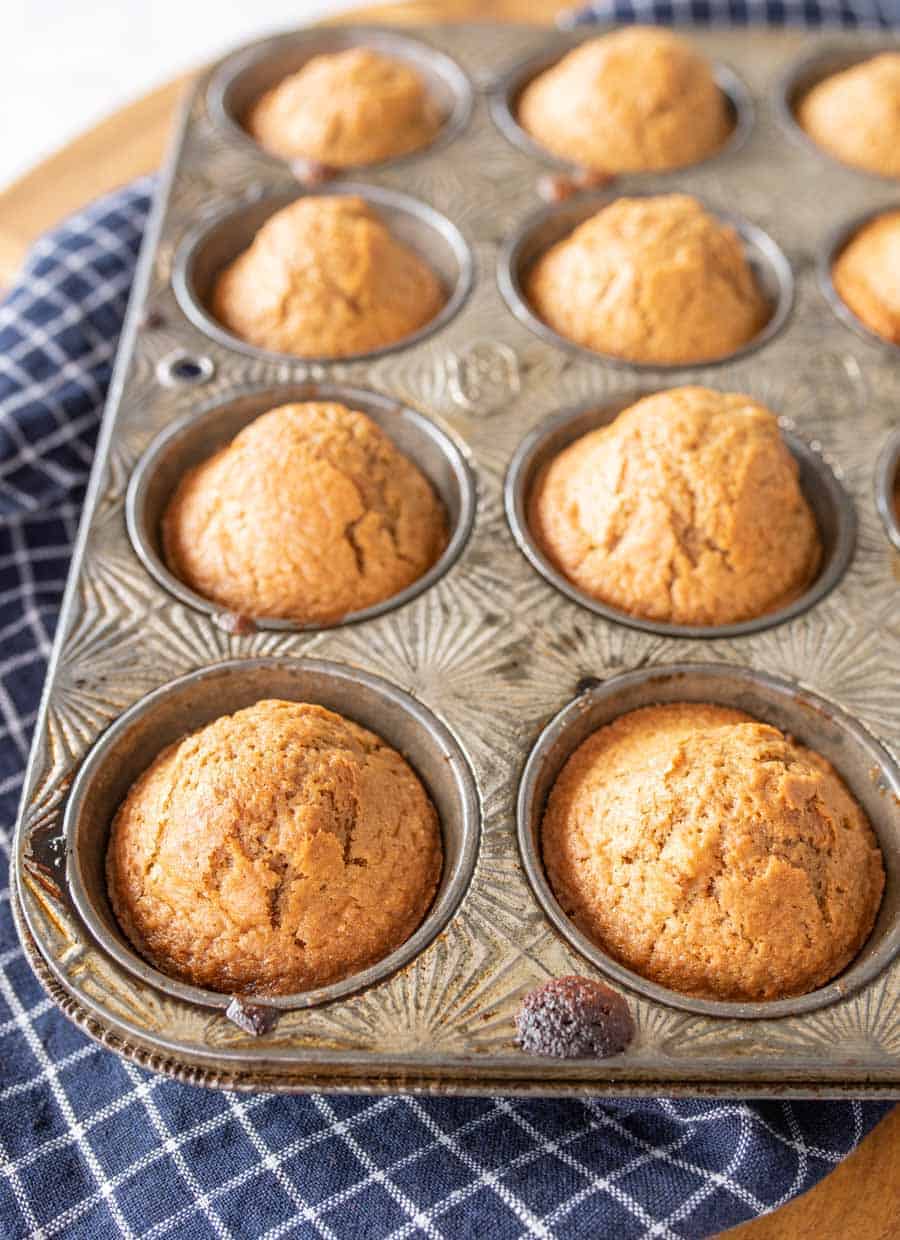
(860, 1200)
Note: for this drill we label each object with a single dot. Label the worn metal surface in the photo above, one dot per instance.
(491, 648)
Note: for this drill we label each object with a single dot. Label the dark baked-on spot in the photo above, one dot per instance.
(573, 1017)
(252, 1018)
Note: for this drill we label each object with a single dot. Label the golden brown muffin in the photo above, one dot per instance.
(712, 854)
(637, 100)
(855, 115)
(345, 108)
(866, 275)
(324, 277)
(311, 512)
(686, 509)
(653, 280)
(273, 851)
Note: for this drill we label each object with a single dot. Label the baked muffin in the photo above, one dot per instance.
(273, 851)
(686, 509)
(866, 275)
(712, 854)
(309, 513)
(655, 280)
(855, 115)
(346, 108)
(640, 99)
(324, 277)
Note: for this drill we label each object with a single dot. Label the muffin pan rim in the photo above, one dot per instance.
(848, 982)
(788, 83)
(836, 241)
(509, 279)
(365, 400)
(887, 480)
(452, 887)
(383, 199)
(504, 92)
(250, 56)
(519, 476)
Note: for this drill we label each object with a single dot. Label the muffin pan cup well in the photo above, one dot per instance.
(830, 503)
(811, 68)
(215, 243)
(491, 648)
(244, 77)
(865, 766)
(198, 435)
(834, 244)
(129, 746)
(545, 227)
(504, 102)
(887, 487)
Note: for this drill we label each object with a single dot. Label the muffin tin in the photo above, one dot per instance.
(200, 433)
(831, 506)
(825, 58)
(488, 671)
(831, 252)
(549, 225)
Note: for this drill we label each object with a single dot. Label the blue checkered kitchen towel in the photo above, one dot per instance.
(93, 1147)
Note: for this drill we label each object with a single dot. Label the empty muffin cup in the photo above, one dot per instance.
(868, 770)
(135, 739)
(503, 101)
(831, 250)
(244, 77)
(808, 71)
(549, 225)
(830, 504)
(199, 434)
(214, 244)
(887, 487)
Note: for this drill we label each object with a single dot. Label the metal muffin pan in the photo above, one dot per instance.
(244, 77)
(198, 435)
(477, 661)
(801, 75)
(865, 766)
(504, 102)
(830, 503)
(549, 225)
(168, 713)
(217, 242)
(842, 235)
(887, 487)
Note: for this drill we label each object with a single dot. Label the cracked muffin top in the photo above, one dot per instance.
(855, 115)
(653, 279)
(686, 509)
(309, 513)
(640, 99)
(324, 277)
(866, 275)
(345, 108)
(275, 850)
(712, 854)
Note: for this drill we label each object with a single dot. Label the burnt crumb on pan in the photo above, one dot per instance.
(234, 623)
(559, 186)
(310, 172)
(586, 684)
(574, 1017)
(251, 1017)
(152, 320)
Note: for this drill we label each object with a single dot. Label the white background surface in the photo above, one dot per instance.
(68, 63)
